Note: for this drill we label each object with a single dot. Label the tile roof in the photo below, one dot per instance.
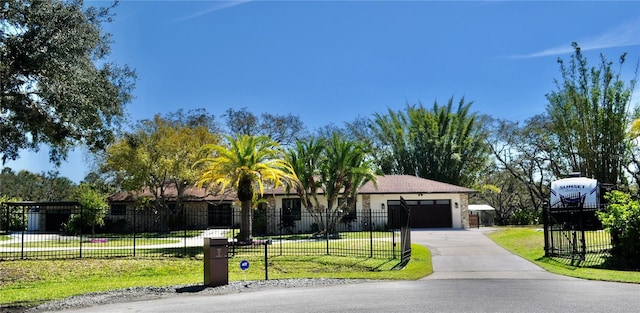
(398, 184)
(171, 194)
(411, 184)
(388, 184)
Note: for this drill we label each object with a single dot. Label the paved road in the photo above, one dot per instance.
(471, 274)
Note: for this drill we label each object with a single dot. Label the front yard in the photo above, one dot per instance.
(35, 281)
(528, 243)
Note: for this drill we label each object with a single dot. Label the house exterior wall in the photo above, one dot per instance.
(464, 210)
(371, 209)
(376, 204)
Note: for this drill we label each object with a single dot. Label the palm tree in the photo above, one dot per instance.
(246, 165)
(338, 167)
(305, 159)
(346, 168)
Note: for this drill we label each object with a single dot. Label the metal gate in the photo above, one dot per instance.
(574, 233)
(405, 232)
(399, 218)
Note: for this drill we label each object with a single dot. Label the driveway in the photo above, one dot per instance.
(471, 274)
(469, 254)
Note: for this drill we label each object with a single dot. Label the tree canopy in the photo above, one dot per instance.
(437, 143)
(57, 86)
(244, 164)
(30, 186)
(590, 113)
(339, 167)
(283, 129)
(158, 155)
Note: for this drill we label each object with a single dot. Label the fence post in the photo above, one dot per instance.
(583, 251)
(326, 230)
(80, 229)
(266, 260)
(370, 234)
(184, 226)
(135, 214)
(22, 227)
(280, 231)
(545, 223)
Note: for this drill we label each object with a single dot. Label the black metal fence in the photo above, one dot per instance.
(574, 235)
(30, 230)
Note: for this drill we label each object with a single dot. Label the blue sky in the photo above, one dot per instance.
(331, 61)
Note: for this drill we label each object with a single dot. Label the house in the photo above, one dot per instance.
(432, 205)
(136, 210)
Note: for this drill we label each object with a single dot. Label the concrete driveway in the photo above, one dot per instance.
(469, 254)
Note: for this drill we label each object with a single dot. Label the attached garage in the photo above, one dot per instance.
(427, 213)
(432, 204)
(430, 214)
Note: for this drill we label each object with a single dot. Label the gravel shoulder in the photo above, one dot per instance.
(150, 293)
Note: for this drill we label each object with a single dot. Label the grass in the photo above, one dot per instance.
(528, 243)
(319, 247)
(343, 235)
(29, 282)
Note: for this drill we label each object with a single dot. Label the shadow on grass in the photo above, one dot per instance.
(601, 263)
(182, 252)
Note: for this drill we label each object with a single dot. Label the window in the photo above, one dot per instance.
(219, 214)
(292, 207)
(118, 209)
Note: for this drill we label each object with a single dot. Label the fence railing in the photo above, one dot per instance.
(575, 236)
(62, 230)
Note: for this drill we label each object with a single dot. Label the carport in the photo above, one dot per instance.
(484, 212)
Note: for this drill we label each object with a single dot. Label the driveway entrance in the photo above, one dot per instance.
(469, 254)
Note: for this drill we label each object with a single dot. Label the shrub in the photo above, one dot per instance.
(525, 217)
(12, 218)
(622, 219)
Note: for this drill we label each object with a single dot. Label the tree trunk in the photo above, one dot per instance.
(245, 222)
(245, 195)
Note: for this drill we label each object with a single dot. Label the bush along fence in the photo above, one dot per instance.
(37, 230)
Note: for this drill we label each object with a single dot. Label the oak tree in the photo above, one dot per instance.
(57, 85)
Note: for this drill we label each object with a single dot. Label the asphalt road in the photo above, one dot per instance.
(471, 274)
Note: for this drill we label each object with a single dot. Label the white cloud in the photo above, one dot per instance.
(624, 35)
(219, 5)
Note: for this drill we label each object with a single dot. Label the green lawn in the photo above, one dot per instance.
(34, 281)
(528, 243)
(343, 235)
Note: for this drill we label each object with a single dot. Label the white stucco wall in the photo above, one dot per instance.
(375, 203)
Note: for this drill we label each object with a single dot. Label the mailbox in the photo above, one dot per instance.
(216, 263)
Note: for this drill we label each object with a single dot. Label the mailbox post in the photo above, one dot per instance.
(216, 264)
